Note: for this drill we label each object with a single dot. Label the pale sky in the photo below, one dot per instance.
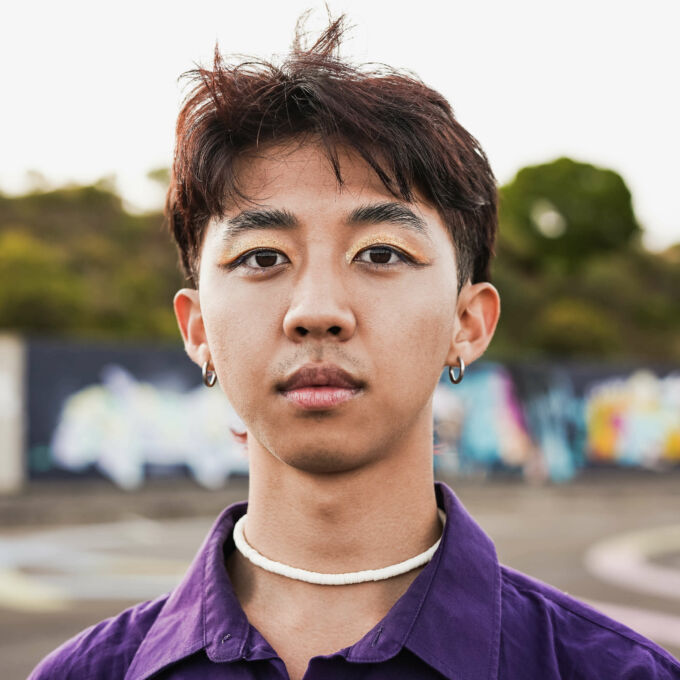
(90, 89)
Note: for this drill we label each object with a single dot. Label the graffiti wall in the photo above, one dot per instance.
(548, 421)
(126, 414)
(129, 413)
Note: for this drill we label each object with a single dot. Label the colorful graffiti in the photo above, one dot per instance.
(127, 419)
(480, 424)
(551, 431)
(122, 427)
(634, 420)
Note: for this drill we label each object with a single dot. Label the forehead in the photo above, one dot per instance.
(301, 172)
(293, 187)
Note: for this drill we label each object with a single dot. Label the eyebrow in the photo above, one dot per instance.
(389, 212)
(372, 213)
(259, 218)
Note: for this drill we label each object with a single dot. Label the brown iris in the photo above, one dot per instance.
(380, 255)
(265, 259)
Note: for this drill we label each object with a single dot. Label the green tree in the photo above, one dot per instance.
(81, 265)
(560, 214)
(573, 275)
(39, 294)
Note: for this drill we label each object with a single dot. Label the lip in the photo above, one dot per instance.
(320, 387)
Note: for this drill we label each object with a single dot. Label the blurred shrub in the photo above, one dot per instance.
(571, 327)
(40, 293)
(79, 264)
(574, 277)
(559, 215)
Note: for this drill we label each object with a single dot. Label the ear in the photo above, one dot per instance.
(190, 320)
(477, 312)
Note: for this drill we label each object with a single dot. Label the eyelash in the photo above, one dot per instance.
(403, 257)
(252, 253)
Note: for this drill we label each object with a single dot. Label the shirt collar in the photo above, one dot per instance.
(202, 612)
(449, 616)
(458, 628)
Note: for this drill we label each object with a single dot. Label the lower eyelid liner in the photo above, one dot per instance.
(387, 241)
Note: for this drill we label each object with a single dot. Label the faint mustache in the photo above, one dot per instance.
(321, 355)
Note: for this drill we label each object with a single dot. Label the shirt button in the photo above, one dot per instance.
(226, 637)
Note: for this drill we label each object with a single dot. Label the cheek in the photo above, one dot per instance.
(410, 332)
(239, 331)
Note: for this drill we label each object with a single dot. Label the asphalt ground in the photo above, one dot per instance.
(72, 554)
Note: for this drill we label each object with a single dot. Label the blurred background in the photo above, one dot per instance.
(564, 442)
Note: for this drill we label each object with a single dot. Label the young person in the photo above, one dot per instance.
(337, 224)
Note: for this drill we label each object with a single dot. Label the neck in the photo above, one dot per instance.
(378, 514)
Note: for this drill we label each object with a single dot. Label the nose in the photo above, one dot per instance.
(320, 308)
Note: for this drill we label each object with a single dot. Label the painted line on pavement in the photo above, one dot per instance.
(23, 593)
(625, 560)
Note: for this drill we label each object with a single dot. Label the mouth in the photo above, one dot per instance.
(320, 387)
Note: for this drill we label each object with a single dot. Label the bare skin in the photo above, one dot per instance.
(349, 524)
(348, 487)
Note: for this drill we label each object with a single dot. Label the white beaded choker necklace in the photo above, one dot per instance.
(330, 579)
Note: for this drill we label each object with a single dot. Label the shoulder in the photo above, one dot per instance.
(571, 638)
(102, 651)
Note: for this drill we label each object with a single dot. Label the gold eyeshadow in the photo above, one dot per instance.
(387, 240)
(240, 246)
(232, 251)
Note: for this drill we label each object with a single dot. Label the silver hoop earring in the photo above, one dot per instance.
(461, 372)
(209, 375)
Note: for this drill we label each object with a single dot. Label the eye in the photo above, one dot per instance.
(382, 255)
(260, 259)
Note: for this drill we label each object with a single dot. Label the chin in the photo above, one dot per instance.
(322, 460)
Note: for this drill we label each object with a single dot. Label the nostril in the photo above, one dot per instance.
(301, 330)
(335, 330)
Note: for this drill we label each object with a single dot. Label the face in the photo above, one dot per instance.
(327, 310)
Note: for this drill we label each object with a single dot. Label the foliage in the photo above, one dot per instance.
(574, 278)
(79, 264)
(561, 214)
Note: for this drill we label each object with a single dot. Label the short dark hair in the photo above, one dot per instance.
(403, 129)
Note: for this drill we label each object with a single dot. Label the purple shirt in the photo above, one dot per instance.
(464, 617)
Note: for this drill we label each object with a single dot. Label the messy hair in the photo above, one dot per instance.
(404, 130)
